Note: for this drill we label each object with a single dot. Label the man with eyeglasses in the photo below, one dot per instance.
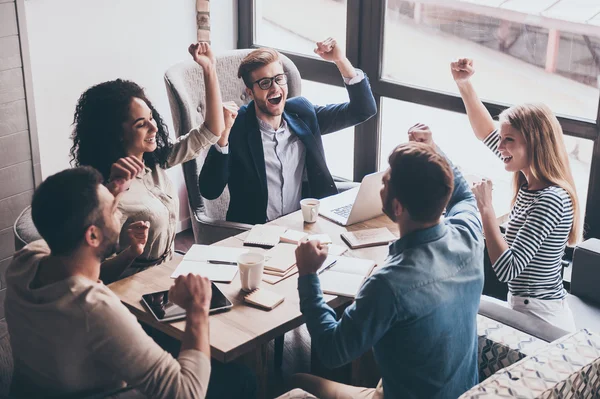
(271, 153)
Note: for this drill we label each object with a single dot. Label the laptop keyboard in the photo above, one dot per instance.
(343, 211)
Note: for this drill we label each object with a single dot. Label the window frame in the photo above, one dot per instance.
(364, 48)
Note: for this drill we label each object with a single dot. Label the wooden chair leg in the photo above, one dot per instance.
(278, 352)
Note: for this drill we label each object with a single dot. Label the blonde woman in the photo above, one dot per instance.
(545, 211)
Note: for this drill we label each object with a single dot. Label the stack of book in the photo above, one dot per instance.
(280, 263)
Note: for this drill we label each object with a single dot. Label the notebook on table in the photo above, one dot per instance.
(368, 237)
(264, 236)
(274, 278)
(218, 264)
(346, 276)
(293, 236)
(264, 298)
(280, 258)
(322, 238)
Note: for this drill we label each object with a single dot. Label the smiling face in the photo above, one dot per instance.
(270, 102)
(139, 130)
(513, 149)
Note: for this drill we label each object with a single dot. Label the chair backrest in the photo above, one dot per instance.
(185, 89)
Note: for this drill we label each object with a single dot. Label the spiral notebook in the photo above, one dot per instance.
(265, 236)
(264, 298)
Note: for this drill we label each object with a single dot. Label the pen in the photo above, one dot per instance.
(321, 270)
(221, 262)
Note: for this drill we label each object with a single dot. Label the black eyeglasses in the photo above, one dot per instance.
(266, 83)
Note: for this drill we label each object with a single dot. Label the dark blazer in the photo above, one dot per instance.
(243, 169)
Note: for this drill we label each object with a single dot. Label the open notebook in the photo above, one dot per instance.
(272, 276)
(346, 276)
(196, 261)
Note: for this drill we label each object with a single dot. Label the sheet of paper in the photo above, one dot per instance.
(218, 273)
(346, 276)
(322, 238)
(202, 253)
(343, 284)
(337, 250)
(345, 264)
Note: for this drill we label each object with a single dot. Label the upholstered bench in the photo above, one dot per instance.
(566, 368)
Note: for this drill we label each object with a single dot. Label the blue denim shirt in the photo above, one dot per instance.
(417, 311)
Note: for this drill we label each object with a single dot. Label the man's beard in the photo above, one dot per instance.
(265, 109)
(109, 245)
(388, 208)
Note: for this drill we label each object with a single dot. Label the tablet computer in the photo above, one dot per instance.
(164, 310)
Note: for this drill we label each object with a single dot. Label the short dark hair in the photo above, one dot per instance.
(421, 179)
(65, 205)
(256, 60)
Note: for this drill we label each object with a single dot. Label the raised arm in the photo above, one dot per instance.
(362, 104)
(462, 206)
(188, 147)
(363, 323)
(479, 117)
(119, 344)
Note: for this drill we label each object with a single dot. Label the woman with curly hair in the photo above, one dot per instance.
(118, 131)
(545, 209)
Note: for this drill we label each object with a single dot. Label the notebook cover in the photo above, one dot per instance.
(368, 237)
(280, 258)
(264, 236)
(264, 298)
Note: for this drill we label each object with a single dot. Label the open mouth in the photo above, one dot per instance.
(507, 159)
(151, 140)
(275, 99)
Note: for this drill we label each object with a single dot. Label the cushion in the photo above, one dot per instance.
(500, 345)
(566, 368)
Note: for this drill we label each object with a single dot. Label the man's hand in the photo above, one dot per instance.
(462, 70)
(122, 172)
(203, 55)
(483, 194)
(330, 51)
(421, 134)
(138, 236)
(310, 256)
(191, 292)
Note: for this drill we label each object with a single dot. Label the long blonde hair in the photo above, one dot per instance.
(548, 157)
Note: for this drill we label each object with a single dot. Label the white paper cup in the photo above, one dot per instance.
(310, 209)
(251, 267)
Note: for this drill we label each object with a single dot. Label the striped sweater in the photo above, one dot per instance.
(537, 233)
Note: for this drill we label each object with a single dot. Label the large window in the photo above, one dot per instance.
(515, 62)
(453, 134)
(339, 146)
(524, 51)
(295, 26)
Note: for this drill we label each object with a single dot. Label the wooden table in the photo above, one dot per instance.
(244, 329)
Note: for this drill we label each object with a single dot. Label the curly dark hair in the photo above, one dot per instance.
(98, 127)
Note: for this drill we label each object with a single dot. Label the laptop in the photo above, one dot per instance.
(357, 204)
